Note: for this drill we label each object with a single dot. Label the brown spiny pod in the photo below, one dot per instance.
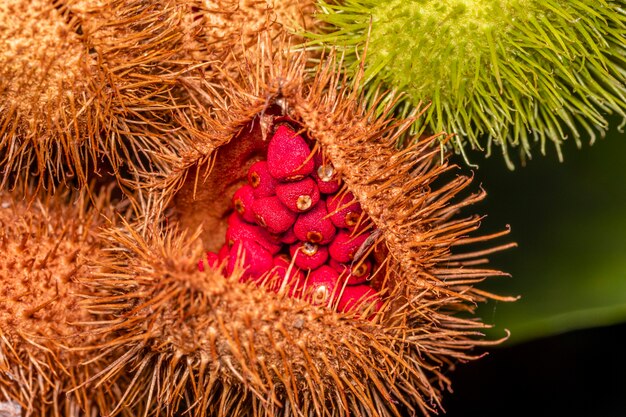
(45, 244)
(89, 86)
(216, 343)
(45, 73)
(232, 27)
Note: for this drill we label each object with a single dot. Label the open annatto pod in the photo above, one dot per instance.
(90, 86)
(214, 343)
(46, 241)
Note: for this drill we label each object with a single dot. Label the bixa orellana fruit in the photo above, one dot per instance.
(108, 78)
(300, 196)
(46, 346)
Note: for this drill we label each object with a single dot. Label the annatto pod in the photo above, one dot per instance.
(104, 85)
(111, 79)
(46, 343)
(208, 344)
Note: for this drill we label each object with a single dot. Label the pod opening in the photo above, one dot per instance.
(276, 213)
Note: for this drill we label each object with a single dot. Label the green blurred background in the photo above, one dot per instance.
(569, 220)
(567, 330)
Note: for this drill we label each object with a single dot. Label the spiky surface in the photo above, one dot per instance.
(503, 72)
(45, 243)
(198, 342)
(233, 26)
(89, 84)
(44, 78)
(222, 348)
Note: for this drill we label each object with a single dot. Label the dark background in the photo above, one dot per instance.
(566, 355)
(578, 374)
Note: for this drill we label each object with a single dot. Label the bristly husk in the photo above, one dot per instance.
(45, 243)
(90, 87)
(45, 72)
(232, 27)
(505, 72)
(199, 343)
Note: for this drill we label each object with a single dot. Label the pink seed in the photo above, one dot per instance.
(344, 247)
(273, 215)
(289, 237)
(314, 227)
(242, 203)
(359, 297)
(250, 256)
(261, 180)
(288, 155)
(321, 286)
(359, 273)
(325, 176)
(295, 280)
(223, 252)
(309, 255)
(298, 196)
(240, 230)
(344, 210)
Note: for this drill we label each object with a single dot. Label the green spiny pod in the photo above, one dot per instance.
(503, 72)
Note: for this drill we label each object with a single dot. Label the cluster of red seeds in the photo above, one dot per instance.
(295, 228)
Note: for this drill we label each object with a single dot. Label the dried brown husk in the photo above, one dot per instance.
(197, 342)
(91, 86)
(45, 73)
(46, 241)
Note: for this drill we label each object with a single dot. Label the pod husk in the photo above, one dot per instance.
(45, 73)
(89, 88)
(46, 241)
(207, 345)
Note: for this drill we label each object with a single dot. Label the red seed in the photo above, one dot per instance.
(295, 279)
(314, 227)
(339, 267)
(344, 210)
(252, 257)
(309, 255)
(359, 297)
(223, 252)
(298, 196)
(240, 230)
(327, 187)
(288, 155)
(273, 215)
(243, 199)
(356, 274)
(321, 286)
(212, 260)
(361, 225)
(261, 180)
(344, 247)
(325, 175)
(289, 237)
